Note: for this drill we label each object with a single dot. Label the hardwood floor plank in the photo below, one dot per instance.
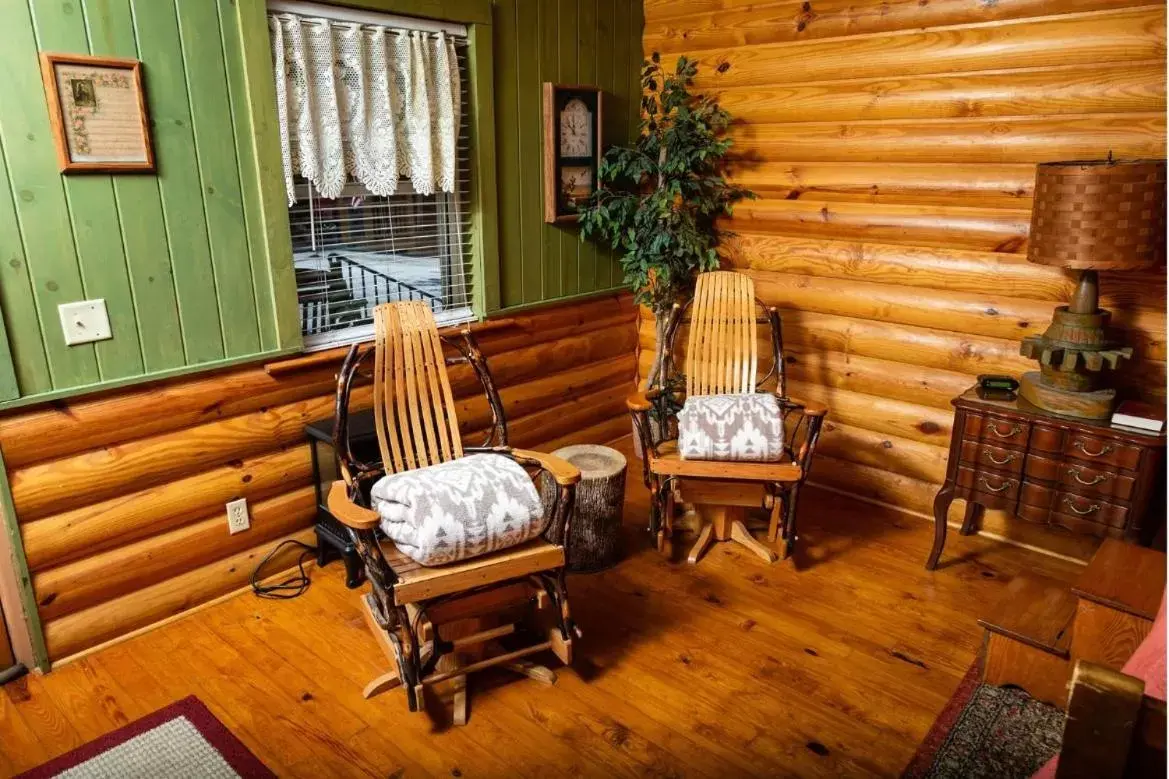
(834, 663)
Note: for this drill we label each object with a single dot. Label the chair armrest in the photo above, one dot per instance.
(349, 513)
(813, 408)
(809, 408)
(564, 472)
(642, 400)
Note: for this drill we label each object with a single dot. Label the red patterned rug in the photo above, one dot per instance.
(182, 740)
(987, 731)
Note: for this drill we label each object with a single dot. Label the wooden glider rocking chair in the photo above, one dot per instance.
(721, 357)
(439, 624)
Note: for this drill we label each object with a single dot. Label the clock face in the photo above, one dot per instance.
(576, 130)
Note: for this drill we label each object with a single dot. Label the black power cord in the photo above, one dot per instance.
(292, 587)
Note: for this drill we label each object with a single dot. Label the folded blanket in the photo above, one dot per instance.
(744, 428)
(459, 509)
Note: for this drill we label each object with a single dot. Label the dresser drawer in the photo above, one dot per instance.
(997, 430)
(1102, 483)
(1103, 451)
(1090, 509)
(987, 455)
(1037, 502)
(1080, 477)
(1000, 485)
(1081, 527)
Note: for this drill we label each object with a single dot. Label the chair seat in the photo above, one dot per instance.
(669, 463)
(418, 582)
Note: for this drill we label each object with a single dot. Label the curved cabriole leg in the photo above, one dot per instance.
(941, 511)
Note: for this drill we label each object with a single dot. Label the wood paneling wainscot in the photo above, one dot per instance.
(120, 498)
(893, 145)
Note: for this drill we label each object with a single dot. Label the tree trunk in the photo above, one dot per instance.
(661, 319)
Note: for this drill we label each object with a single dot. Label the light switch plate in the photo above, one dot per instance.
(84, 322)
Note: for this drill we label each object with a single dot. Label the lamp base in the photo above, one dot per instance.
(1096, 406)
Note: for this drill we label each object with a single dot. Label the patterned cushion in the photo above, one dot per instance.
(744, 428)
(459, 509)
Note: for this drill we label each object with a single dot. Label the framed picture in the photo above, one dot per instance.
(98, 113)
(572, 149)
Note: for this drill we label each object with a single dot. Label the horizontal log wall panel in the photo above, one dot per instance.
(982, 229)
(935, 267)
(165, 599)
(123, 503)
(972, 140)
(912, 183)
(89, 529)
(1126, 35)
(101, 577)
(1050, 91)
(925, 348)
(893, 144)
(65, 428)
(702, 24)
(917, 460)
(989, 313)
(44, 487)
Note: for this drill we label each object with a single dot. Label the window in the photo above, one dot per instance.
(354, 248)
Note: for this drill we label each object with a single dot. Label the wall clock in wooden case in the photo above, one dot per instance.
(572, 149)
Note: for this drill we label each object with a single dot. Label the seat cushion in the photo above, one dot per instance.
(737, 428)
(459, 509)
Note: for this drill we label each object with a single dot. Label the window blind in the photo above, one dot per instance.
(359, 250)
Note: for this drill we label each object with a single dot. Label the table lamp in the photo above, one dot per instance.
(1089, 216)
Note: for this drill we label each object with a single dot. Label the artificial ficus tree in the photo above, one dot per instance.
(657, 202)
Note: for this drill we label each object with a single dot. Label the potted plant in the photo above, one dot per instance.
(657, 202)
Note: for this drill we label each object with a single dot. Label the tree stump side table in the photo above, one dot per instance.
(596, 516)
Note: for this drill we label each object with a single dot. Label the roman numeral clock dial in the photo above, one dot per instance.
(572, 121)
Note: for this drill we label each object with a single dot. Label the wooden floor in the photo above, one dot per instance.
(834, 665)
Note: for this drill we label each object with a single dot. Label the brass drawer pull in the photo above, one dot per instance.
(1006, 485)
(1071, 504)
(1099, 453)
(1010, 458)
(1015, 430)
(1075, 474)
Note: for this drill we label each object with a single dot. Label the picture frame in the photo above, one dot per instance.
(97, 112)
(571, 165)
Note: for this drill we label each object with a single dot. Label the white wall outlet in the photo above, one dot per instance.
(84, 322)
(237, 516)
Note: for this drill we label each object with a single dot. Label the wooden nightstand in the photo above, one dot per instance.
(1071, 475)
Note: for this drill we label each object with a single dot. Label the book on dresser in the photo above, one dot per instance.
(1139, 417)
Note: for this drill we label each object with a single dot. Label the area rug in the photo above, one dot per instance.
(986, 731)
(181, 741)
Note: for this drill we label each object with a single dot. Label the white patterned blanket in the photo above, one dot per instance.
(459, 509)
(743, 428)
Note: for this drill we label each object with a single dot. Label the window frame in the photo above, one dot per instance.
(261, 97)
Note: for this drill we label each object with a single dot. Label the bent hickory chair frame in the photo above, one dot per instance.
(439, 624)
(721, 357)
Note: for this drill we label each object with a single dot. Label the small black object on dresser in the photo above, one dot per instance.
(1074, 475)
(332, 536)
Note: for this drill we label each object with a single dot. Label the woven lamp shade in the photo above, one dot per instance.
(1099, 215)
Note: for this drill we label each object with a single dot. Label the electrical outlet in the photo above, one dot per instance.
(237, 516)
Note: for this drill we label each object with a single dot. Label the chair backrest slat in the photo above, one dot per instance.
(414, 408)
(722, 354)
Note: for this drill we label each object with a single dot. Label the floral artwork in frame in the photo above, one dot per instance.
(97, 109)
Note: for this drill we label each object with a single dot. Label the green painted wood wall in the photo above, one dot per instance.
(179, 257)
(594, 42)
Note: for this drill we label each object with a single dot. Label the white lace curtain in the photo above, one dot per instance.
(370, 102)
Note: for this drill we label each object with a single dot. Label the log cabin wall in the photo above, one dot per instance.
(120, 498)
(892, 144)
